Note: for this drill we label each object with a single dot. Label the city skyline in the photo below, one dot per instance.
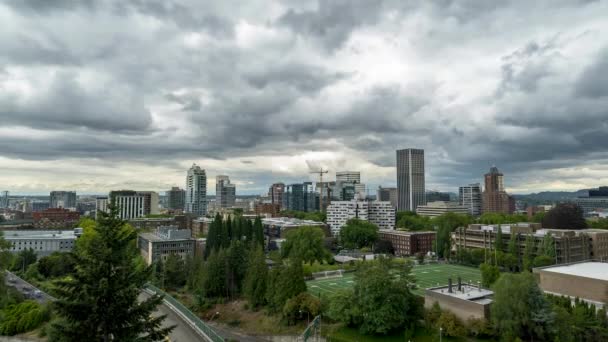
(96, 92)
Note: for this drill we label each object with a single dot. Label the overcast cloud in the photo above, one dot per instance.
(100, 95)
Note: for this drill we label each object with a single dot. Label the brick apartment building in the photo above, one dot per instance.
(408, 243)
(55, 218)
(273, 209)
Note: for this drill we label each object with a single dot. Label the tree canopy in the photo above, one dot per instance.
(305, 244)
(358, 233)
(565, 216)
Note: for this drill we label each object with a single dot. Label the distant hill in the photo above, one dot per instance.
(552, 196)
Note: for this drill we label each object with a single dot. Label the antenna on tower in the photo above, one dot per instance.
(321, 172)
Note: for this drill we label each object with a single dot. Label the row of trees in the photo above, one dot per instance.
(223, 232)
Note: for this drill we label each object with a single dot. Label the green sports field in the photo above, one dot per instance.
(426, 276)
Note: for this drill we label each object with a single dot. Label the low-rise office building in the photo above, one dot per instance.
(408, 243)
(466, 301)
(438, 208)
(164, 242)
(55, 218)
(43, 242)
(570, 245)
(585, 280)
(200, 226)
(271, 209)
(277, 227)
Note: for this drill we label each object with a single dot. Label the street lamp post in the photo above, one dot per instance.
(440, 334)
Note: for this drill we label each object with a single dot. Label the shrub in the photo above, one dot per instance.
(23, 317)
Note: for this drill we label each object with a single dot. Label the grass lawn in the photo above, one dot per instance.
(426, 276)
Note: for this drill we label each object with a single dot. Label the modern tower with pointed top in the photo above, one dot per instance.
(410, 179)
(196, 191)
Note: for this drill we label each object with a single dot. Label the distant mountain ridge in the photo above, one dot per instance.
(553, 196)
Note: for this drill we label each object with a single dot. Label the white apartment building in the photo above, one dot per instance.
(379, 213)
(196, 191)
(101, 204)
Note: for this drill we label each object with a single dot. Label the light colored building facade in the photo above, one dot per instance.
(410, 179)
(585, 280)
(101, 204)
(470, 197)
(348, 176)
(43, 242)
(466, 301)
(133, 204)
(196, 191)
(63, 199)
(164, 242)
(438, 208)
(277, 227)
(379, 213)
(225, 192)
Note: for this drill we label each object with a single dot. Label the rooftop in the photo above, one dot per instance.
(38, 234)
(404, 232)
(288, 221)
(594, 270)
(469, 292)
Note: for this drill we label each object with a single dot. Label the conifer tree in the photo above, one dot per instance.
(258, 231)
(256, 280)
(99, 302)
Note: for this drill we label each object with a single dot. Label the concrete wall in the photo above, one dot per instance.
(575, 286)
(463, 309)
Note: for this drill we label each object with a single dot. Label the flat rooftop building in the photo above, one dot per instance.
(464, 300)
(164, 242)
(43, 242)
(408, 243)
(438, 208)
(585, 280)
(277, 227)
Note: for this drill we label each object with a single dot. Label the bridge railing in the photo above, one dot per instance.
(213, 336)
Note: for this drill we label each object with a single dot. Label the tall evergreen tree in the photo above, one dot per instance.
(256, 280)
(99, 302)
(498, 244)
(287, 283)
(236, 268)
(258, 231)
(214, 281)
(248, 233)
(528, 252)
(237, 225)
(229, 229)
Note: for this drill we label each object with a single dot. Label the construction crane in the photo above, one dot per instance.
(320, 172)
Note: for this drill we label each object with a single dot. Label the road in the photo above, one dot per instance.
(27, 289)
(182, 332)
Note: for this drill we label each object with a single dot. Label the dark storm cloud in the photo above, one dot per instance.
(45, 6)
(306, 78)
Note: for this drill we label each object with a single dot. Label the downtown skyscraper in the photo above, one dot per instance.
(225, 192)
(196, 191)
(410, 179)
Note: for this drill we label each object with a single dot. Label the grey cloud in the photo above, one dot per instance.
(593, 81)
(306, 78)
(68, 103)
(46, 6)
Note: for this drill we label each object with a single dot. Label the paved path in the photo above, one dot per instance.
(27, 289)
(182, 331)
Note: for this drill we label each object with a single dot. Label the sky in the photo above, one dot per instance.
(127, 94)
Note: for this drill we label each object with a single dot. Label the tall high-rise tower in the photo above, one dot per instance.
(196, 191)
(470, 197)
(63, 199)
(4, 199)
(275, 192)
(410, 179)
(495, 199)
(225, 192)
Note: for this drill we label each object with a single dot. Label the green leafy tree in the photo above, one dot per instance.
(57, 264)
(513, 246)
(358, 233)
(99, 301)
(528, 259)
(409, 220)
(379, 302)
(256, 279)
(300, 307)
(23, 317)
(24, 259)
(451, 325)
(306, 244)
(489, 274)
(285, 282)
(565, 216)
(520, 309)
(446, 224)
(498, 245)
